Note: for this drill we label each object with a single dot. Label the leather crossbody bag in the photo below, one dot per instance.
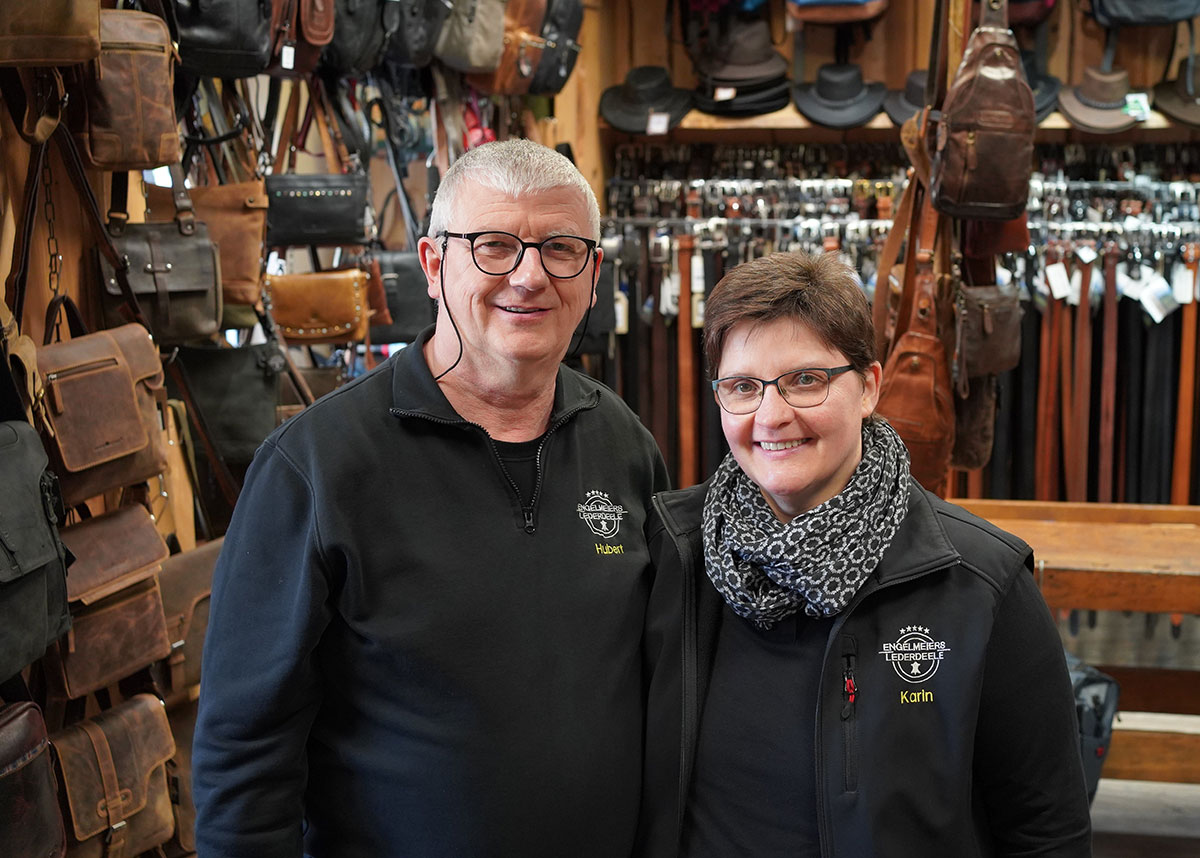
(299, 30)
(988, 330)
(320, 307)
(472, 38)
(411, 308)
(224, 38)
(564, 19)
(422, 22)
(31, 825)
(115, 795)
(49, 32)
(115, 129)
(361, 36)
(186, 582)
(173, 269)
(521, 52)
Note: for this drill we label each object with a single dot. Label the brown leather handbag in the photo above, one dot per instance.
(186, 583)
(31, 825)
(522, 51)
(123, 117)
(115, 796)
(99, 409)
(984, 151)
(321, 307)
(118, 626)
(988, 331)
(300, 29)
(236, 217)
(49, 32)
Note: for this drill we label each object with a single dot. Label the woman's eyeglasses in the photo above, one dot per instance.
(800, 388)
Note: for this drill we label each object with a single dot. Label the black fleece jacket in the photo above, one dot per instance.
(402, 660)
(945, 718)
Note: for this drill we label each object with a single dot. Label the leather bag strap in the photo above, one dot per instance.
(18, 273)
(225, 481)
(114, 805)
(285, 151)
(882, 309)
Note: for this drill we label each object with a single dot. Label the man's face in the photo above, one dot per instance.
(525, 315)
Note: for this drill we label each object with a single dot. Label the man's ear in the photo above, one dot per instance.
(596, 268)
(430, 256)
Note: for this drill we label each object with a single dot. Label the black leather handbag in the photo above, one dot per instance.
(173, 269)
(364, 28)
(224, 38)
(564, 18)
(409, 304)
(420, 27)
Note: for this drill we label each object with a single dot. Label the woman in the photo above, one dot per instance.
(866, 670)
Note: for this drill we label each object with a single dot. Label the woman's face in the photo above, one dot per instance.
(799, 457)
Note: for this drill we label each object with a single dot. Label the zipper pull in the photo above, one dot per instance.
(849, 686)
(529, 528)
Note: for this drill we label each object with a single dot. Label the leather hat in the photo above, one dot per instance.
(1173, 99)
(744, 53)
(647, 89)
(839, 98)
(899, 104)
(753, 102)
(1097, 104)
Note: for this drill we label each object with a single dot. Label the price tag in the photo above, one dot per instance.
(287, 56)
(621, 312)
(697, 310)
(1158, 299)
(724, 93)
(1076, 283)
(1057, 279)
(1086, 254)
(1137, 105)
(1183, 285)
(658, 123)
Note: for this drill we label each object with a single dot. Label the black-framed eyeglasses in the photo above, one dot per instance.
(497, 253)
(800, 388)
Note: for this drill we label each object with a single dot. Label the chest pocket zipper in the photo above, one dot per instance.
(849, 706)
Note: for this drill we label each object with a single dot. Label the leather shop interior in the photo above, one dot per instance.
(262, 227)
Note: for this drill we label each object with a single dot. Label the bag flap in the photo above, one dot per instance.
(22, 736)
(126, 29)
(316, 21)
(318, 301)
(211, 201)
(111, 552)
(185, 581)
(139, 741)
(90, 406)
(160, 256)
(309, 184)
(26, 532)
(141, 354)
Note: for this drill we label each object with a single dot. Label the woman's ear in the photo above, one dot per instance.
(872, 381)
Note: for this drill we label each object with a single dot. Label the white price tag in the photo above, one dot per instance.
(1086, 254)
(658, 123)
(1132, 287)
(724, 93)
(1076, 283)
(1183, 284)
(1158, 298)
(621, 312)
(287, 56)
(697, 272)
(697, 310)
(1057, 279)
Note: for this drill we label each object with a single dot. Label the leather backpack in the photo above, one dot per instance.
(983, 155)
(224, 38)
(419, 30)
(564, 18)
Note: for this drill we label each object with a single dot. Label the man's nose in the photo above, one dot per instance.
(529, 272)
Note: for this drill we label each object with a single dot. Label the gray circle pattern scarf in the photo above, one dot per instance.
(766, 569)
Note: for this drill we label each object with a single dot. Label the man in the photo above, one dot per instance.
(427, 615)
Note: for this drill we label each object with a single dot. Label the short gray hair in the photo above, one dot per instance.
(516, 168)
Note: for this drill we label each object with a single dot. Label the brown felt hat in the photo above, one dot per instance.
(1098, 103)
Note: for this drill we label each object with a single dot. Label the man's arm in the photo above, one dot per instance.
(260, 689)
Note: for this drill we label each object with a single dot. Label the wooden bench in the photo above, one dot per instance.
(1123, 557)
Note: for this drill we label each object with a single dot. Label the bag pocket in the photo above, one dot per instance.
(989, 330)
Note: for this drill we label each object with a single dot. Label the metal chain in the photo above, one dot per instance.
(51, 239)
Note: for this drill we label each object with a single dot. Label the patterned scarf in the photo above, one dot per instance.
(766, 569)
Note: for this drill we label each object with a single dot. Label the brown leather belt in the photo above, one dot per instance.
(688, 412)
(1108, 379)
(1181, 470)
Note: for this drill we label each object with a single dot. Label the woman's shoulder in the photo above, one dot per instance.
(982, 545)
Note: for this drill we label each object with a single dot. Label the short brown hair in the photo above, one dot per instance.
(819, 290)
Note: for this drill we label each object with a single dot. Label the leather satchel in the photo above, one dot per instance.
(522, 50)
(114, 794)
(472, 38)
(320, 307)
(300, 30)
(364, 28)
(118, 626)
(224, 38)
(974, 424)
(988, 331)
(984, 151)
(49, 32)
(33, 560)
(99, 412)
(173, 270)
(186, 583)
(421, 25)
(564, 19)
(31, 825)
(409, 304)
(124, 116)
(236, 217)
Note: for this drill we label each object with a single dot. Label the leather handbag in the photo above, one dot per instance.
(522, 50)
(472, 37)
(99, 413)
(404, 284)
(114, 793)
(33, 560)
(974, 424)
(320, 307)
(118, 625)
(124, 116)
(988, 330)
(236, 389)
(236, 217)
(364, 28)
(186, 583)
(421, 25)
(984, 150)
(49, 32)
(173, 270)
(224, 38)
(564, 19)
(31, 825)
(300, 30)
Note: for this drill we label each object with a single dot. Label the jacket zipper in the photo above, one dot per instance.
(849, 726)
(83, 367)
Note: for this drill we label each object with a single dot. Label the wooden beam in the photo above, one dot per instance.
(1143, 755)
(1156, 689)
